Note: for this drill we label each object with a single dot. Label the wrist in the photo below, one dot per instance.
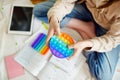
(88, 45)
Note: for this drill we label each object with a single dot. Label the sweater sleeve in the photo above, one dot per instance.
(61, 8)
(108, 41)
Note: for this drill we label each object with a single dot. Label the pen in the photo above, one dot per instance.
(45, 25)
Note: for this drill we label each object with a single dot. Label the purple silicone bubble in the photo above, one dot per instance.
(37, 40)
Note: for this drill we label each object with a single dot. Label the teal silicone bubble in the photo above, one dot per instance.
(59, 45)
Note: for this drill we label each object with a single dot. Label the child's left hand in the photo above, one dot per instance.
(79, 46)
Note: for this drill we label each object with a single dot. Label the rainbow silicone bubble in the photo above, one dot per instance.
(39, 44)
(59, 45)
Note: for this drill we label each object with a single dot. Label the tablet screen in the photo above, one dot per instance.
(21, 19)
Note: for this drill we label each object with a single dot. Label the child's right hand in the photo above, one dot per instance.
(54, 28)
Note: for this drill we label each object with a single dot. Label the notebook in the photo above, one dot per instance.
(14, 69)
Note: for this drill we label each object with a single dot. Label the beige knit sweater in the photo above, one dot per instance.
(105, 12)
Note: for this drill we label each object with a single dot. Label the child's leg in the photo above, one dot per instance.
(86, 29)
(102, 65)
(81, 20)
(40, 10)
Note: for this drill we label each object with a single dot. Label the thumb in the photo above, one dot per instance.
(75, 45)
(71, 46)
(74, 54)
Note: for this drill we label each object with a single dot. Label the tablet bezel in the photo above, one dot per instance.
(20, 32)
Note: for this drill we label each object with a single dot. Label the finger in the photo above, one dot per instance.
(49, 35)
(58, 31)
(74, 54)
(57, 28)
(75, 45)
(71, 46)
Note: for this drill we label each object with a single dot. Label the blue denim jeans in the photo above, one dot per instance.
(40, 10)
(102, 65)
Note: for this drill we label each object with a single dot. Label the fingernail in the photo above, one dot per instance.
(70, 46)
(68, 59)
(46, 42)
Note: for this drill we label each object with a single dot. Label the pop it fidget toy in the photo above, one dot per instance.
(39, 44)
(59, 45)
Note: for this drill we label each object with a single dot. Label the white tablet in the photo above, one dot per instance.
(21, 20)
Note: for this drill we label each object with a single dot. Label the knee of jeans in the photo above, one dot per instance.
(101, 74)
(104, 76)
(104, 72)
(39, 10)
(100, 67)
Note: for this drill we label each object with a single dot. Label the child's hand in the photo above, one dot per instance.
(79, 46)
(53, 29)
